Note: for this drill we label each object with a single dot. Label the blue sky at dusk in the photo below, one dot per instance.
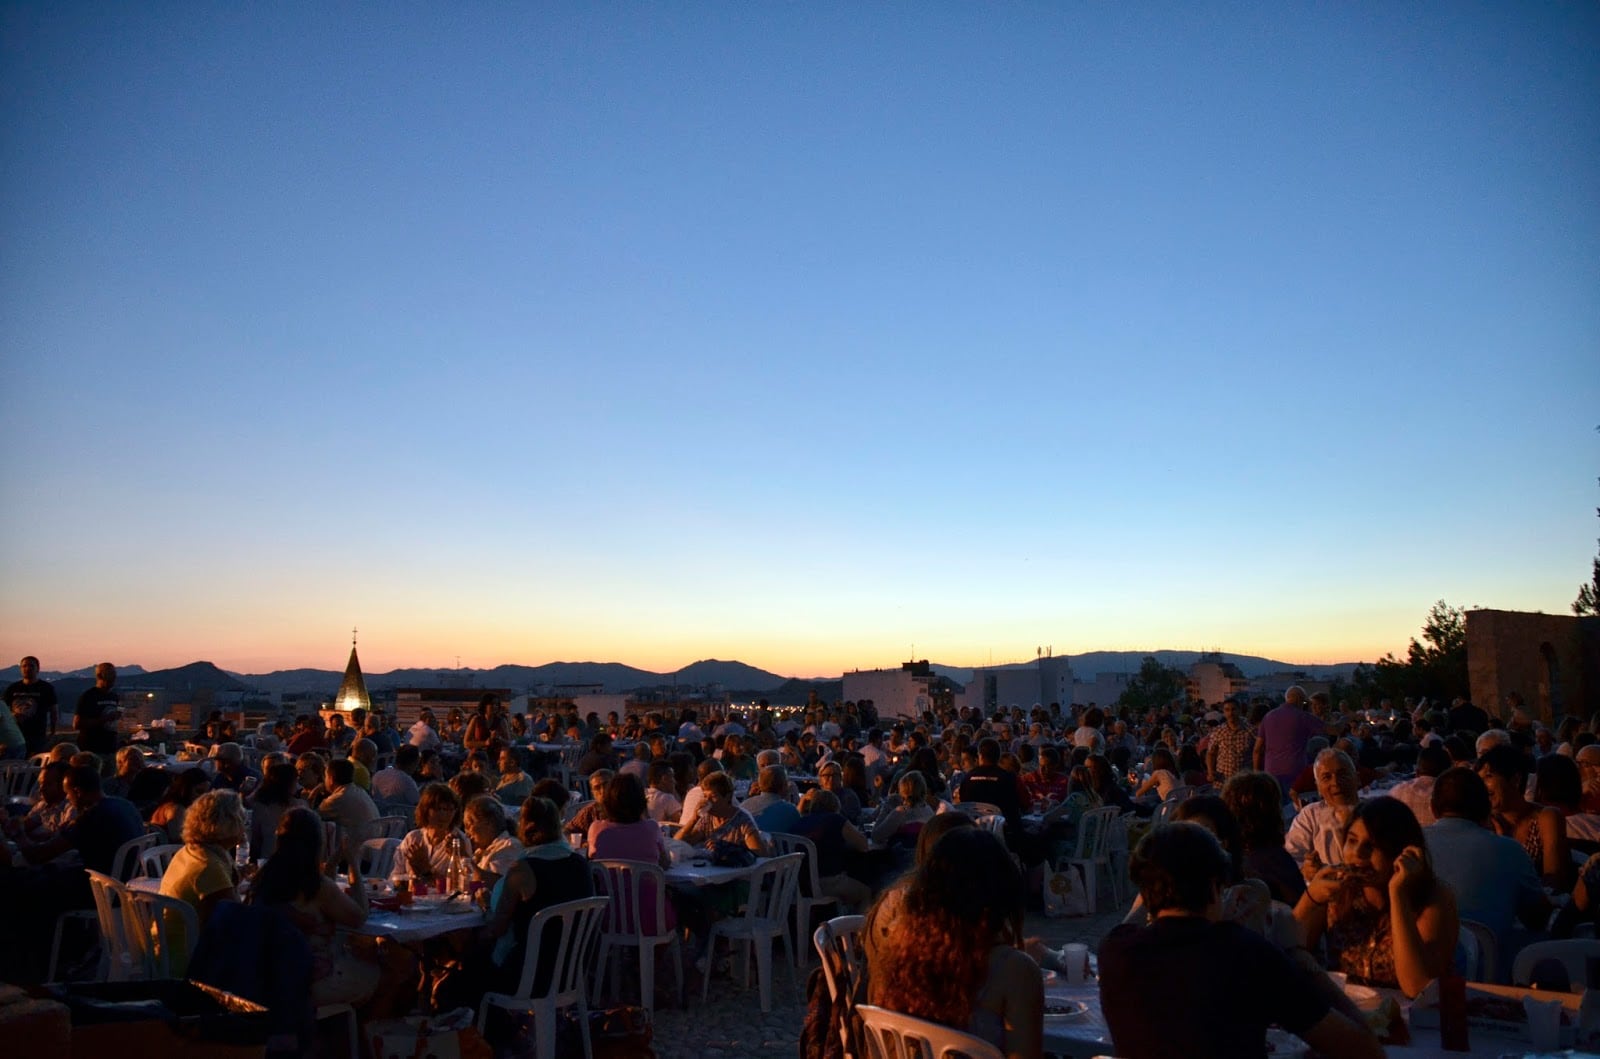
(794, 333)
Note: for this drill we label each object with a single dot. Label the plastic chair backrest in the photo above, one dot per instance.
(979, 808)
(151, 939)
(811, 885)
(153, 861)
(1574, 954)
(389, 827)
(891, 1035)
(633, 887)
(772, 887)
(844, 957)
(1094, 827)
(376, 859)
(1482, 950)
(580, 921)
(18, 779)
(111, 908)
(572, 808)
(126, 864)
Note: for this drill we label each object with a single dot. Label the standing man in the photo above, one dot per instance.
(1229, 749)
(1281, 743)
(98, 710)
(33, 704)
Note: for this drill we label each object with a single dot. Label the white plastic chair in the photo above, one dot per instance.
(120, 961)
(18, 779)
(979, 809)
(332, 846)
(154, 860)
(766, 916)
(634, 887)
(580, 921)
(1164, 811)
(891, 1035)
(376, 857)
(1093, 851)
(843, 954)
(1573, 954)
(809, 880)
(126, 864)
(389, 827)
(150, 918)
(1482, 949)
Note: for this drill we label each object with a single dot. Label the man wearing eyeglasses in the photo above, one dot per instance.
(1589, 768)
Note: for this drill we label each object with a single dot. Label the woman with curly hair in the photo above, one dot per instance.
(952, 952)
(202, 872)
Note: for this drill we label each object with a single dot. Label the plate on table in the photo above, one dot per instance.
(1063, 1010)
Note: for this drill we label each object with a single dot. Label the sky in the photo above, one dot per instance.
(818, 336)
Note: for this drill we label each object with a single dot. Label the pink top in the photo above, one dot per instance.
(641, 840)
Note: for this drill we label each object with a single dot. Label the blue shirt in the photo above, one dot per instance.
(1492, 875)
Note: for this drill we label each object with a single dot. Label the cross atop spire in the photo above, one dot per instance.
(352, 636)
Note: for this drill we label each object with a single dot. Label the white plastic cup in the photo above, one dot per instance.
(1544, 1023)
(1076, 958)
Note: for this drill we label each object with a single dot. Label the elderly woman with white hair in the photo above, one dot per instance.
(494, 851)
(202, 872)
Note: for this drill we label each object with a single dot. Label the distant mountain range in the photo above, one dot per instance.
(1087, 665)
(741, 680)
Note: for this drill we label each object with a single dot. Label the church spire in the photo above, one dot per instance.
(353, 691)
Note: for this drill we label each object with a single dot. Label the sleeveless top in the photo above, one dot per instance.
(555, 881)
(1360, 945)
(1534, 844)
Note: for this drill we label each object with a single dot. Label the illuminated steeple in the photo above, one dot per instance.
(353, 691)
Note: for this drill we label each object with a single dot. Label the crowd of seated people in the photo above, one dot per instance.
(1401, 820)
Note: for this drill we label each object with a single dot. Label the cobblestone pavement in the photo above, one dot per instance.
(730, 1024)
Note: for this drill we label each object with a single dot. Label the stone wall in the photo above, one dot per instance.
(1552, 660)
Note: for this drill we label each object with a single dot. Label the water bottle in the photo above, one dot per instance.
(241, 852)
(457, 877)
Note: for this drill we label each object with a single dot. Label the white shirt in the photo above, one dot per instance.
(874, 758)
(1417, 793)
(661, 806)
(1319, 828)
(691, 803)
(423, 737)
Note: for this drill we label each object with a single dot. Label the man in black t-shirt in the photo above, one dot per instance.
(993, 784)
(33, 703)
(97, 713)
(1188, 985)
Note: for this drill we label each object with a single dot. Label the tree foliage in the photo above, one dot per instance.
(1154, 686)
(1588, 602)
(1435, 666)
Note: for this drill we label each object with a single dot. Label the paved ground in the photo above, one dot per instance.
(731, 1024)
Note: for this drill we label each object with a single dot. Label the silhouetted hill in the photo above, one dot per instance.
(796, 691)
(729, 674)
(1088, 664)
